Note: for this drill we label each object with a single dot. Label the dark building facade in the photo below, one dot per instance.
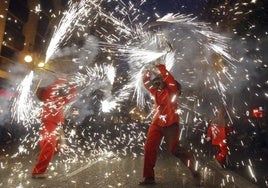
(25, 27)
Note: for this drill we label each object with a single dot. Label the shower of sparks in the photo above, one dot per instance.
(216, 42)
(142, 56)
(76, 12)
(157, 46)
(139, 57)
(24, 109)
(99, 76)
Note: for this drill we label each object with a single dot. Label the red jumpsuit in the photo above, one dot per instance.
(218, 135)
(52, 115)
(165, 123)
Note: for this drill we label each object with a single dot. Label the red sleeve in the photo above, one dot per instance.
(70, 97)
(167, 77)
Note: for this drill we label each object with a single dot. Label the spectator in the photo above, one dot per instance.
(217, 133)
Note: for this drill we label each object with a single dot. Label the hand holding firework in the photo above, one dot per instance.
(153, 66)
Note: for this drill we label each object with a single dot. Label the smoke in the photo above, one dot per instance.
(8, 128)
(73, 58)
(5, 116)
(16, 72)
(80, 54)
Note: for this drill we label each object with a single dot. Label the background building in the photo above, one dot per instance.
(26, 25)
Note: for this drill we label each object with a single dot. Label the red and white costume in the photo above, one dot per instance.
(218, 135)
(52, 116)
(165, 122)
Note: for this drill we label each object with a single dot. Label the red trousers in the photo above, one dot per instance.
(171, 136)
(222, 151)
(48, 144)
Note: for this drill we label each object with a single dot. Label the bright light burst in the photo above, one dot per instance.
(107, 105)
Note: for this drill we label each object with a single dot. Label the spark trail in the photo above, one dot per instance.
(77, 12)
(24, 109)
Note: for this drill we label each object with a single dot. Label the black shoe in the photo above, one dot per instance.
(39, 176)
(147, 181)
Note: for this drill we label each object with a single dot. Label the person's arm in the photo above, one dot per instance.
(60, 95)
(73, 93)
(71, 96)
(48, 94)
(167, 77)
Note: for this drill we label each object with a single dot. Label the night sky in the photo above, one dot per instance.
(168, 6)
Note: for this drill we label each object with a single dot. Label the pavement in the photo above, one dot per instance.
(109, 170)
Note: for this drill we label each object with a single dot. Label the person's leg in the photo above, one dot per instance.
(151, 146)
(221, 156)
(171, 136)
(48, 144)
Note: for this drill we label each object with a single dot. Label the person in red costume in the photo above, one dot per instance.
(165, 123)
(217, 133)
(55, 97)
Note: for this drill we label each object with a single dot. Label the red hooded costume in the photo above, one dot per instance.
(165, 122)
(218, 134)
(54, 97)
(165, 100)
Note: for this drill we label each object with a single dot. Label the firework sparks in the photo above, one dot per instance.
(24, 108)
(96, 77)
(77, 12)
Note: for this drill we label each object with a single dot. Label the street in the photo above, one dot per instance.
(109, 170)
